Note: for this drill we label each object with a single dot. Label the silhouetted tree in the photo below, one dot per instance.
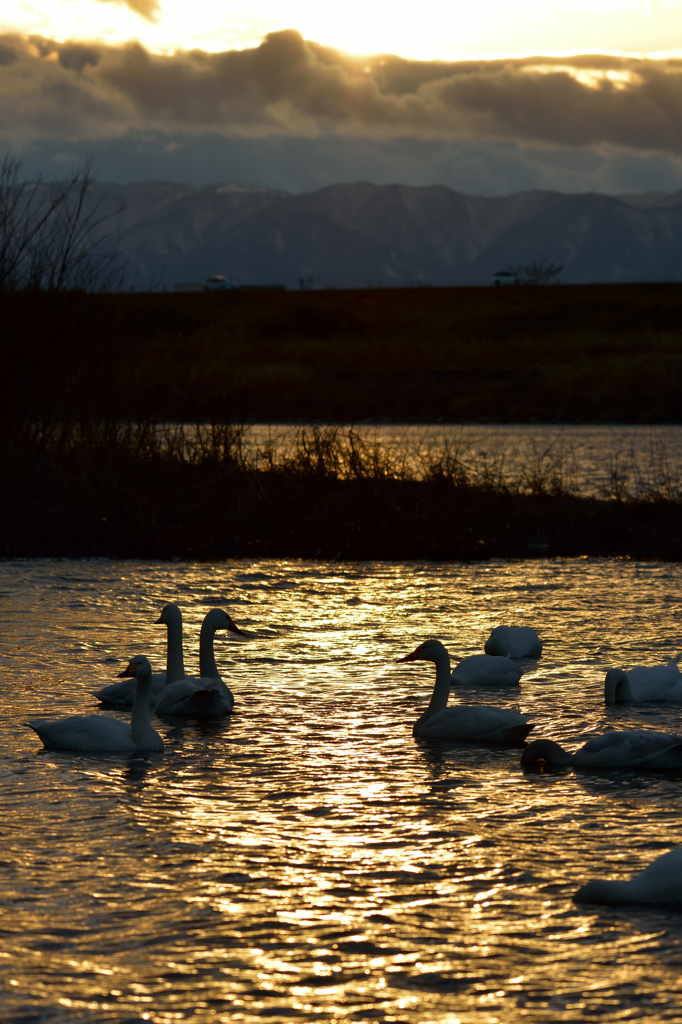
(539, 272)
(53, 237)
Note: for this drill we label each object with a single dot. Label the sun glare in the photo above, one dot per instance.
(435, 29)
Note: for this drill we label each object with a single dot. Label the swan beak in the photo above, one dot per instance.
(127, 672)
(233, 628)
(159, 621)
(408, 657)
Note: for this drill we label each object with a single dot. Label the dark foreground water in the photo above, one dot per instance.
(307, 859)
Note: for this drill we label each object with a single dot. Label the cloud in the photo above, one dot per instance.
(301, 164)
(288, 86)
(147, 8)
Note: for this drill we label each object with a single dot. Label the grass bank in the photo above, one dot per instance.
(600, 353)
(140, 491)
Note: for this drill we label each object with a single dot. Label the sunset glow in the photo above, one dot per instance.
(495, 97)
(441, 30)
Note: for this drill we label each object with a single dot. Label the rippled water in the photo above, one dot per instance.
(307, 859)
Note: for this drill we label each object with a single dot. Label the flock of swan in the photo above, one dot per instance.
(659, 883)
(174, 693)
(169, 693)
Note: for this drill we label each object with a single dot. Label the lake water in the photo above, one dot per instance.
(307, 859)
(590, 459)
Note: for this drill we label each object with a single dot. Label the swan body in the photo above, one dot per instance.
(195, 697)
(633, 748)
(660, 882)
(122, 694)
(514, 642)
(655, 682)
(207, 695)
(473, 724)
(486, 669)
(99, 734)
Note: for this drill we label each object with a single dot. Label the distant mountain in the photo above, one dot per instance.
(351, 236)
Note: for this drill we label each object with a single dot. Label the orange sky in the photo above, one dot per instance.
(431, 29)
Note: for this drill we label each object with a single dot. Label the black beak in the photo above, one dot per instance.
(234, 628)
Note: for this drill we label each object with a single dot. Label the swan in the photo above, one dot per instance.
(476, 724)
(632, 748)
(207, 695)
(122, 694)
(486, 669)
(655, 682)
(99, 734)
(660, 882)
(515, 641)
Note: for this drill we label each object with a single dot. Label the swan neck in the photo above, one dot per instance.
(616, 686)
(140, 722)
(175, 664)
(207, 663)
(441, 688)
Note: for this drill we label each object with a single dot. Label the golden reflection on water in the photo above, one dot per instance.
(307, 859)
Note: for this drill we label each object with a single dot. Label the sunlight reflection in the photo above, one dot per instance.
(308, 853)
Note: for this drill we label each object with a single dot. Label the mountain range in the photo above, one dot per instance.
(360, 235)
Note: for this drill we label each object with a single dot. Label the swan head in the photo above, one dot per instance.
(219, 619)
(600, 890)
(138, 668)
(430, 650)
(170, 613)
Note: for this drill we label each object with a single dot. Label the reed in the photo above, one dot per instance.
(94, 465)
(150, 490)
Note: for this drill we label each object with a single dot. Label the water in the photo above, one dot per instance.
(307, 859)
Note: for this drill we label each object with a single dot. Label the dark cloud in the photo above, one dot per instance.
(301, 164)
(287, 86)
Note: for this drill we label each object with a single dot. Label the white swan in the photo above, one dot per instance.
(207, 695)
(122, 694)
(655, 682)
(474, 723)
(486, 669)
(99, 734)
(633, 748)
(660, 882)
(515, 641)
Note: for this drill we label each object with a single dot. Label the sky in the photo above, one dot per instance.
(488, 98)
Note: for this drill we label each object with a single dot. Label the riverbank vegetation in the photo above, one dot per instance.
(145, 491)
(96, 388)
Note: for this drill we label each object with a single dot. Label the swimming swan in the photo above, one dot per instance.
(207, 695)
(486, 669)
(660, 882)
(476, 724)
(99, 734)
(655, 682)
(515, 641)
(633, 748)
(122, 694)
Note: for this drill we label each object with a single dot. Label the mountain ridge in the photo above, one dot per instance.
(359, 234)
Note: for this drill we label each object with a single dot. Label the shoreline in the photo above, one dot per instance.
(140, 491)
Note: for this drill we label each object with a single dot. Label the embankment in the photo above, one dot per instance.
(600, 353)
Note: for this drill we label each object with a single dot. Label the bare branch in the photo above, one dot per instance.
(54, 237)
